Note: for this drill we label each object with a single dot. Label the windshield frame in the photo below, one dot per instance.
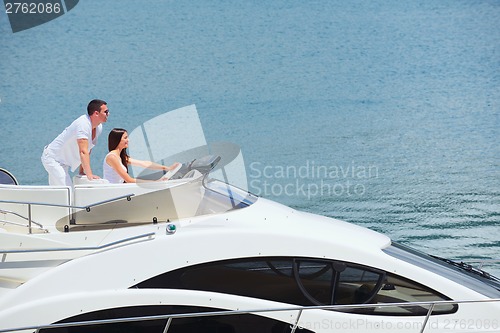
(489, 287)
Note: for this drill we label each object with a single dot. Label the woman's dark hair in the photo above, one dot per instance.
(114, 138)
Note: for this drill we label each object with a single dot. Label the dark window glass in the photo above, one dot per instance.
(332, 282)
(306, 282)
(398, 290)
(244, 323)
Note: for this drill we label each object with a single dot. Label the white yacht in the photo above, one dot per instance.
(195, 254)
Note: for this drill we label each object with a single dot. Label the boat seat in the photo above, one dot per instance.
(7, 178)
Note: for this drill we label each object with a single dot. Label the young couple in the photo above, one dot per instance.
(71, 149)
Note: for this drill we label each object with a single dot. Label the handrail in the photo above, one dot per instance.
(88, 248)
(3, 211)
(87, 207)
(426, 320)
(300, 309)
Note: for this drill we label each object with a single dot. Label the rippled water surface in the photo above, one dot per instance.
(382, 113)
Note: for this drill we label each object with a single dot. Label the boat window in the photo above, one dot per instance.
(304, 281)
(202, 324)
(330, 282)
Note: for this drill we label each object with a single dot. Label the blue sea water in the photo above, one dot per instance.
(382, 113)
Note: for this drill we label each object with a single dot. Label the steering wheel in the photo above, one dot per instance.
(172, 172)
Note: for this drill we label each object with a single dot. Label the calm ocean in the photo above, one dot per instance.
(382, 113)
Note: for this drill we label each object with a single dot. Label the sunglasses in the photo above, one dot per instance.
(106, 111)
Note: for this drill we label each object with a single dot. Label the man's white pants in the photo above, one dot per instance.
(58, 173)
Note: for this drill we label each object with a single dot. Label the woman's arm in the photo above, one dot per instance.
(151, 165)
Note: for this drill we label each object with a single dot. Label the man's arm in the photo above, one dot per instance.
(83, 147)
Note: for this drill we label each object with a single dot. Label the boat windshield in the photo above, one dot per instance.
(464, 274)
(220, 197)
(155, 201)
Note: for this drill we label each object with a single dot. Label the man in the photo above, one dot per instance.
(72, 147)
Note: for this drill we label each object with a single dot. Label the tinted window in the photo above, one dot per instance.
(244, 323)
(303, 281)
(327, 282)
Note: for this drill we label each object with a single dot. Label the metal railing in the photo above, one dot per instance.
(30, 204)
(83, 248)
(5, 212)
(423, 325)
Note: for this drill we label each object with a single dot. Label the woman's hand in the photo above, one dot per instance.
(176, 166)
(173, 166)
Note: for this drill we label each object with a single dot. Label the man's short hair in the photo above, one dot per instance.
(95, 105)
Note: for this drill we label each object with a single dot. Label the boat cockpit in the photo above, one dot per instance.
(188, 192)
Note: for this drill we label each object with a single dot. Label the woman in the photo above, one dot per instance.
(116, 162)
